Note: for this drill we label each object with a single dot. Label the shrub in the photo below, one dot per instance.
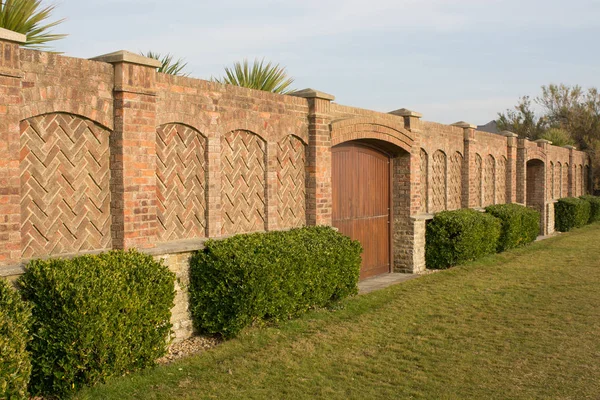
(594, 207)
(95, 317)
(270, 276)
(454, 237)
(15, 364)
(520, 225)
(570, 213)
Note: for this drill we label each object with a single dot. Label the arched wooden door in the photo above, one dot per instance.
(362, 202)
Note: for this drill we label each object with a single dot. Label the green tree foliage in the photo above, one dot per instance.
(522, 120)
(169, 65)
(30, 18)
(268, 77)
(558, 137)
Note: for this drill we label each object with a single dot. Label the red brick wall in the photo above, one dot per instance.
(99, 155)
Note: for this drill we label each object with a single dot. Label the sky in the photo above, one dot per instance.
(450, 60)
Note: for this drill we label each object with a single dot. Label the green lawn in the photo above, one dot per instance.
(523, 324)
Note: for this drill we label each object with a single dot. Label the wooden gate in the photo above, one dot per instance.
(362, 202)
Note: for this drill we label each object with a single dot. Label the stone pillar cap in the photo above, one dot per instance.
(464, 125)
(127, 57)
(542, 141)
(509, 134)
(12, 36)
(404, 112)
(312, 94)
(570, 147)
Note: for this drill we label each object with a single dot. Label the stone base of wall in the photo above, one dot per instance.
(550, 218)
(409, 245)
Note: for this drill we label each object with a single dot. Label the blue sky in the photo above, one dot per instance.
(448, 59)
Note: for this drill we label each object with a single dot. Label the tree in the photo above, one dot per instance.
(261, 76)
(30, 18)
(522, 120)
(169, 66)
(558, 137)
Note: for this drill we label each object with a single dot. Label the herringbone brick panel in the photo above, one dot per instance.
(501, 181)
(455, 182)
(65, 196)
(243, 182)
(489, 180)
(557, 181)
(424, 183)
(477, 181)
(565, 182)
(291, 180)
(181, 182)
(438, 182)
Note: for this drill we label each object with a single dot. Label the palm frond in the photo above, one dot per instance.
(169, 66)
(268, 77)
(30, 18)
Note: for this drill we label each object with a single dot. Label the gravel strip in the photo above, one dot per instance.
(193, 345)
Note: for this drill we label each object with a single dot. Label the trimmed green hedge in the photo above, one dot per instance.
(570, 213)
(15, 363)
(270, 276)
(594, 207)
(454, 237)
(95, 317)
(520, 225)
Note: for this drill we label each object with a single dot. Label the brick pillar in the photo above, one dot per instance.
(133, 150)
(468, 169)
(521, 190)
(10, 146)
(511, 166)
(572, 171)
(318, 166)
(547, 223)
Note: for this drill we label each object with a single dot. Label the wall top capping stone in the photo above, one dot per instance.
(128, 57)
(464, 125)
(509, 134)
(570, 147)
(404, 112)
(12, 36)
(543, 141)
(312, 94)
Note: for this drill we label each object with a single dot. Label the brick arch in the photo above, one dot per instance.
(65, 106)
(65, 185)
(536, 154)
(371, 128)
(290, 127)
(254, 126)
(181, 182)
(85, 114)
(192, 122)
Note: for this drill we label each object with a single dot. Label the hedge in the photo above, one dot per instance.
(453, 237)
(520, 225)
(570, 213)
(15, 364)
(270, 276)
(95, 317)
(594, 207)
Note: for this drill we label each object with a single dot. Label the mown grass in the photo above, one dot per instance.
(521, 325)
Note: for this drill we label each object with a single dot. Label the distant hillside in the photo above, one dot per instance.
(490, 127)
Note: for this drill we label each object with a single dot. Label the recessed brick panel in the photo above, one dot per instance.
(501, 181)
(424, 183)
(455, 182)
(180, 182)
(291, 182)
(438, 182)
(65, 196)
(489, 180)
(243, 182)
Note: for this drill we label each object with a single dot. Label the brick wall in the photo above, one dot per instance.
(107, 153)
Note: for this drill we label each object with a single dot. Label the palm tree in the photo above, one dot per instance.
(29, 18)
(169, 66)
(261, 76)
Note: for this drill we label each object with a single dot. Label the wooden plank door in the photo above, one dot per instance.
(361, 203)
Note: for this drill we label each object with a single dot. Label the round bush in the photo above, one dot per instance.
(270, 276)
(571, 212)
(520, 225)
(594, 207)
(454, 237)
(95, 317)
(15, 364)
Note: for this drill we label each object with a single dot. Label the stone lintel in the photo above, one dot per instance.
(464, 125)
(124, 56)
(11, 36)
(509, 134)
(312, 94)
(404, 112)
